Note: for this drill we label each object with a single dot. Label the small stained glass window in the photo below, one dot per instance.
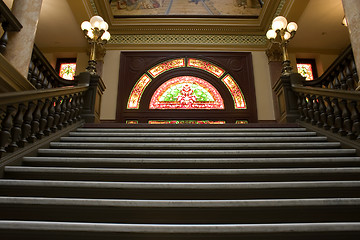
(307, 68)
(67, 70)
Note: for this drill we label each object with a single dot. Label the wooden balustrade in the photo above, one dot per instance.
(42, 75)
(9, 23)
(341, 74)
(330, 109)
(28, 116)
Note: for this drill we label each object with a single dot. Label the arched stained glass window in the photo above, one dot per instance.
(238, 97)
(186, 92)
(136, 93)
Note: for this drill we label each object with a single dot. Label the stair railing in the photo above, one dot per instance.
(42, 75)
(27, 116)
(328, 103)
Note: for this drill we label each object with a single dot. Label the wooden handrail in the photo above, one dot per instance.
(343, 94)
(8, 17)
(32, 95)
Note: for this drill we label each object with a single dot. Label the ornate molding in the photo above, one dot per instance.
(241, 40)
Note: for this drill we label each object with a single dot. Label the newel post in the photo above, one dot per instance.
(286, 98)
(92, 97)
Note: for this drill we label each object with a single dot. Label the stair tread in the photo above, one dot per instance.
(110, 145)
(203, 153)
(182, 185)
(180, 203)
(181, 228)
(181, 171)
(195, 139)
(192, 134)
(219, 129)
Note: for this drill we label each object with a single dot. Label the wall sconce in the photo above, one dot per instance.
(96, 33)
(280, 33)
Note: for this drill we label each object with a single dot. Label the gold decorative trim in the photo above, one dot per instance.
(241, 40)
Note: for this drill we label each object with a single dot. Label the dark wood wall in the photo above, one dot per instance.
(134, 64)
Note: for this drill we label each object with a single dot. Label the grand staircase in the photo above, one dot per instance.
(184, 183)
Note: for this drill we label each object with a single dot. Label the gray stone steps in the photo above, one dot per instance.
(181, 175)
(193, 163)
(184, 183)
(197, 153)
(181, 211)
(203, 146)
(192, 134)
(182, 190)
(191, 130)
(80, 230)
(194, 139)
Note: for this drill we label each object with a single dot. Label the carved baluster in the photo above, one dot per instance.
(355, 75)
(337, 84)
(50, 118)
(349, 78)
(304, 107)
(346, 121)
(309, 109)
(75, 107)
(316, 118)
(337, 116)
(66, 111)
(62, 114)
(57, 114)
(72, 109)
(26, 126)
(35, 122)
(355, 118)
(299, 103)
(329, 114)
(43, 118)
(342, 80)
(16, 129)
(322, 113)
(6, 125)
(81, 105)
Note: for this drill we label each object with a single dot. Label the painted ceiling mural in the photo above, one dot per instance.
(216, 8)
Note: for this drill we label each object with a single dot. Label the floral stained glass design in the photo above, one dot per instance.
(235, 91)
(186, 92)
(132, 121)
(185, 122)
(206, 66)
(241, 122)
(137, 91)
(166, 66)
(305, 69)
(67, 70)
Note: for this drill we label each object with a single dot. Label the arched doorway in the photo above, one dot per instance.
(160, 87)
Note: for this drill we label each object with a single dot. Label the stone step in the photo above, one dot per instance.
(192, 134)
(203, 146)
(190, 130)
(181, 175)
(193, 163)
(206, 153)
(80, 230)
(194, 139)
(180, 211)
(172, 190)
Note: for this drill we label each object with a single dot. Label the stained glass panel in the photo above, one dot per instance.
(186, 92)
(206, 66)
(67, 70)
(241, 122)
(305, 69)
(166, 66)
(132, 121)
(185, 122)
(137, 91)
(235, 91)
